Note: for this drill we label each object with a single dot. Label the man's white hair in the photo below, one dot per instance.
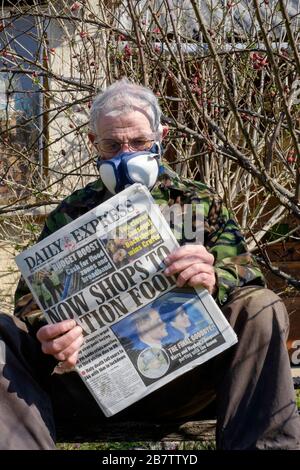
(124, 97)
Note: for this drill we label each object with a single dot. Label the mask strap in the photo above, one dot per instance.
(157, 148)
(98, 160)
(161, 148)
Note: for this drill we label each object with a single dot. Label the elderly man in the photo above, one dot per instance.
(251, 381)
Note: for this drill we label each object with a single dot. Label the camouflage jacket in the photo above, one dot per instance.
(234, 266)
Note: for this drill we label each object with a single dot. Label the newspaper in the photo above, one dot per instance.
(106, 270)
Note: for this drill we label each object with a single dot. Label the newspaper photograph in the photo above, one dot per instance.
(105, 270)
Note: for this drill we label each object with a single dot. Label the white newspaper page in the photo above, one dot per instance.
(106, 270)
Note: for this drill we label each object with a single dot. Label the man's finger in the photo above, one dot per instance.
(188, 251)
(69, 351)
(59, 344)
(69, 363)
(194, 270)
(204, 280)
(49, 332)
(185, 263)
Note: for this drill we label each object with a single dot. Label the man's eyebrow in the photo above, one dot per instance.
(138, 137)
(141, 137)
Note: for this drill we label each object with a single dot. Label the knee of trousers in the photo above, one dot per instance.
(260, 309)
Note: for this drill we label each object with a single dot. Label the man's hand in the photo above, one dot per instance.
(194, 266)
(63, 341)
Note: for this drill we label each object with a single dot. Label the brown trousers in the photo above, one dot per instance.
(251, 383)
(25, 408)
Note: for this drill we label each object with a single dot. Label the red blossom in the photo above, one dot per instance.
(83, 34)
(127, 51)
(212, 33)
(197, 90)
(156, 30)
(52, 50)
(291, 158)
(259, 62)
(245, 117)
(76, 6)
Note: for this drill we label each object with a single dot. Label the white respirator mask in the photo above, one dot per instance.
(128, 168)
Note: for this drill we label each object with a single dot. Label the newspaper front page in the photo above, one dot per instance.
(105, 270)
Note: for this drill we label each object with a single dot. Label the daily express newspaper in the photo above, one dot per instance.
(105, 270)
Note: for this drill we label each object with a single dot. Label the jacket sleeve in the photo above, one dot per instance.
(234, 264)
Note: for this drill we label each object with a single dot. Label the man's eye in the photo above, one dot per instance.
(112, 145)
(139, 143)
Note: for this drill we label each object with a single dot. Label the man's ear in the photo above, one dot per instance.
(165, 131)
(92, 138)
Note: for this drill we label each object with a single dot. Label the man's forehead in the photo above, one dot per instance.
(118, 119)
